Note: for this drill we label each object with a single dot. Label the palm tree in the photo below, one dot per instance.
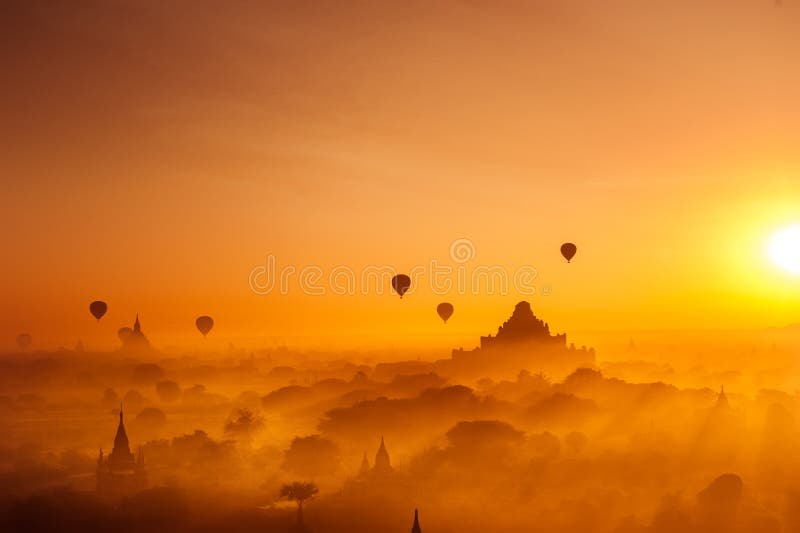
(299, 491)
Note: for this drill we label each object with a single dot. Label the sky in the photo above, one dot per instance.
(153, 154)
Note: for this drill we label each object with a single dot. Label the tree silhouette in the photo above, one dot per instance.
(311, 456)
(243, 424)
(300, 492)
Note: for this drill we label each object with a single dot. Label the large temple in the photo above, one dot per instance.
(134, 340)
(120, 473)
(522, 342)
(523, 328)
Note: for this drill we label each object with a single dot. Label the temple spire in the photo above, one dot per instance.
(415, 528)
(136, 326)
(383, 464)
(121, 440)
(120, 473)
(722, 400)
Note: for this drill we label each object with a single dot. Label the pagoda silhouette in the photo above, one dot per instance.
(379, 480)
(120, 473)
(381, 469)
(415, 528)
(383, 465)
(524, 341)
(523, 328)
(135, 340)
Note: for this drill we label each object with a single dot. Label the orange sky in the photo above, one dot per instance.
(153, 153)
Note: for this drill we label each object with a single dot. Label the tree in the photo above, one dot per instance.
(311, 456)
(300, 492)
(168, 391)
(243, 424)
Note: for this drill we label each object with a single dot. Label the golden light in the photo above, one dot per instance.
(784, 249)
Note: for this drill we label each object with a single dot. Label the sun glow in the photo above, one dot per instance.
(784, 249)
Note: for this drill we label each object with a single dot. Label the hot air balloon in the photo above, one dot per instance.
(24, 340)
(204, 324)
(445, 310)
(401, 283)
(98, 309)
(568, 250)
(124, 333)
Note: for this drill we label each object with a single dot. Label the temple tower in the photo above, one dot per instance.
(383, 464)
(415, 528)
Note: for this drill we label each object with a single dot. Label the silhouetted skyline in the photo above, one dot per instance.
(512, 266)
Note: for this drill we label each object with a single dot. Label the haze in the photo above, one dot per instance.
(387, 266)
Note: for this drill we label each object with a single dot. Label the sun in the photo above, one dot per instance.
(784, 249)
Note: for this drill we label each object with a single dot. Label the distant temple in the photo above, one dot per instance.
(415, 528)
(380, 485)
(718, 431)
(523, 327)
(383, 466)
(722, 400)
(119, 473)
(378, 479)
(523, 342)
(135, 339)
